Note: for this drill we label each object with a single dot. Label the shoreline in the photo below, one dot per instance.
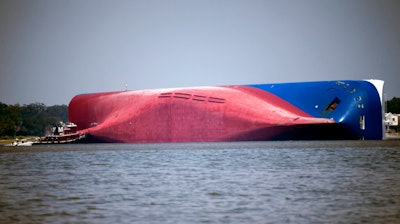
(392, 136)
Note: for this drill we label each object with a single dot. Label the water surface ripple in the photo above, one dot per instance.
(245, 182)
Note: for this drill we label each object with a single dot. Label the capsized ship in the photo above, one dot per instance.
(349, 109)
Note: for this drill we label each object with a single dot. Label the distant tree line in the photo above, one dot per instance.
(30, 120)
(393, 105)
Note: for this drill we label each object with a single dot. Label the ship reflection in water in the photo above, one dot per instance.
(242, 182)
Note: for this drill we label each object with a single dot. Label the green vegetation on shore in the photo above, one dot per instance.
(29, 120)
(393, 105)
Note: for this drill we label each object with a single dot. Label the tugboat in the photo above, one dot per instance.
(61, 134)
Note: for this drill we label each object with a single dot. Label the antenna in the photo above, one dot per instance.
(126, 86)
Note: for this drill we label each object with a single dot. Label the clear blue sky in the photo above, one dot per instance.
(52, 50)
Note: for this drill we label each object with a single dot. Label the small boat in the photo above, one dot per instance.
(60, 134)
(22, 142)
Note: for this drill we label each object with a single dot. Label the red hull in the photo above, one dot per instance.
(203, 114)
